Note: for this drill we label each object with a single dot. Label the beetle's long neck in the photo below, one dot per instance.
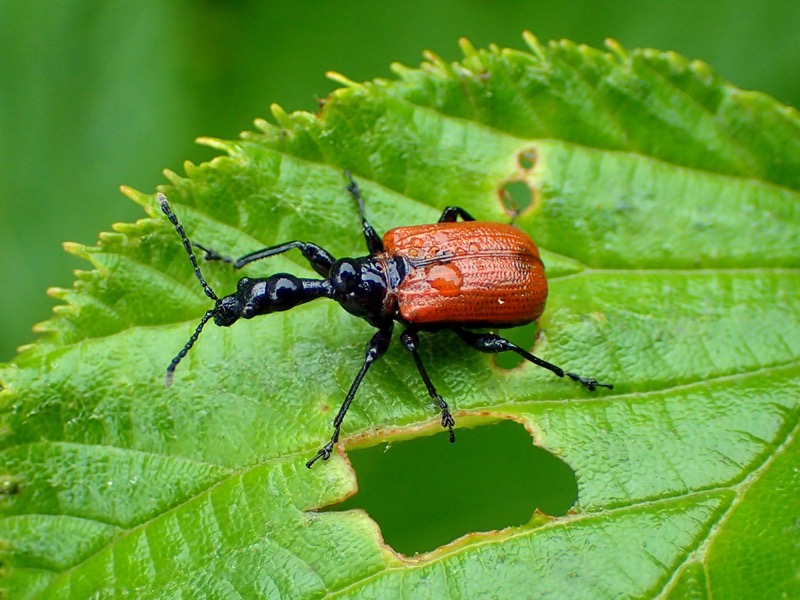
(315, 288)
(280, 292)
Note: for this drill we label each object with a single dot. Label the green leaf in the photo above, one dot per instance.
(665, 202)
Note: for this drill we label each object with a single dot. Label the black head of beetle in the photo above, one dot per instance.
(261, 296)
(362, 286)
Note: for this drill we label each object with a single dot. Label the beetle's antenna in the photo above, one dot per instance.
(165, 207)
(162, 200)
(374, 242)
(187, 347)
(352, 187)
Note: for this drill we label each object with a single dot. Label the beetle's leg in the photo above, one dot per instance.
(209, 254)
(319, 258)
(451, 214)
(489, 342)
(374, 242)
(375, 349)
(410, 341)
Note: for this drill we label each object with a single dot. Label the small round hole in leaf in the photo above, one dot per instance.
(515, 196)
(527, 159)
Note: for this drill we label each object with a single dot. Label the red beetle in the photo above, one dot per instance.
(452, 274)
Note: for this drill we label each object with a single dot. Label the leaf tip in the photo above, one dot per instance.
(533, 43)
(172, 176)
(30, 347)
(76, 249)
(135, 195)
(436, 64)
(432, 57)
(281, 116)
(399, 69)
(467, 49)
(702, 70)
(111, 237)
(616, 49)
(127, 229)
(341, 79)
(58, 293)
(262, 125)
(216, 144)
(61, 309)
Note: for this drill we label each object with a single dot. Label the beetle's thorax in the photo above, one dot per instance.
(366, 287)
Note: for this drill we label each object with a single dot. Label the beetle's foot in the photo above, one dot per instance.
(589, 384)
(209, 254)
(324, 454)
(448, 422)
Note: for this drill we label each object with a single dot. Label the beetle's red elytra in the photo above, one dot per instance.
(470, 272)
(457, 275)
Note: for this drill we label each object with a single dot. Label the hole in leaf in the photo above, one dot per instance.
(426, 492)
(515, 196)
(524, 337)
(527, 159)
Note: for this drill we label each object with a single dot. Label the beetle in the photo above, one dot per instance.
(454, 274)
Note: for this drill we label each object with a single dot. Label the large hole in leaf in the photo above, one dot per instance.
(426, 492)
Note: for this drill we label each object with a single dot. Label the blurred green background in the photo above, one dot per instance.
(97, 94)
